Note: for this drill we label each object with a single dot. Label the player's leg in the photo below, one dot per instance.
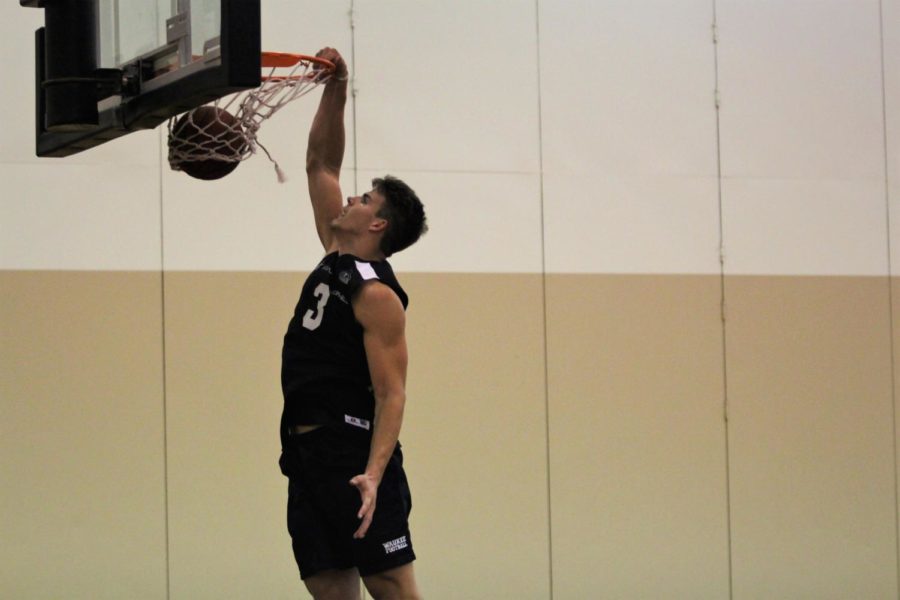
(335, 584)
(385, 555)
(323, 551)
(394, 584)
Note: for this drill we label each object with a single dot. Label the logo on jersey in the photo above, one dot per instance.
(366, 271)
(357, 422)
(392, 546)
(344, 277)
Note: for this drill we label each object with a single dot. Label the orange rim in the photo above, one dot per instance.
(287, 77)
(283, 59)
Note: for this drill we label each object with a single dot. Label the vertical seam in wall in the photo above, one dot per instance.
(165, 424)
(540, 127)
(351, 68)
(890, 292)
(351, 73)
(715, 25)
(117, 42)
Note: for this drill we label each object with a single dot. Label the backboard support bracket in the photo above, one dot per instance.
(178, 34)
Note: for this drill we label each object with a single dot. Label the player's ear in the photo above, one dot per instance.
(378, 224)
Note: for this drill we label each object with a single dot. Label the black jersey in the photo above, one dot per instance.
(324, 372)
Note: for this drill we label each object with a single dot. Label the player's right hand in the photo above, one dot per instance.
(335, 58)
(368, 493)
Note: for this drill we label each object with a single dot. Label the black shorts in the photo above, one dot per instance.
(322, 506)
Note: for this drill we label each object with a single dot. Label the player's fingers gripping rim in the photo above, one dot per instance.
(329, 54)
(334, 57)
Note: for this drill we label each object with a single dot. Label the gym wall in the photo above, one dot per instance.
(652, 327)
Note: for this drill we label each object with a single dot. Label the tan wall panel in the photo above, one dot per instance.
(82, 436)
(637, 437)
(227, 497)
(475, 435)
(895, 313)
(636, 432)
(810, 423)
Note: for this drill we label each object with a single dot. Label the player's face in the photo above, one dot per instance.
(359, 213)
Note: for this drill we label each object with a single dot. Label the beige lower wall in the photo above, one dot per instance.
(637, 438)
(604, 464)
(811, 425)
(226, 494)
(81, 436)
(476, 435)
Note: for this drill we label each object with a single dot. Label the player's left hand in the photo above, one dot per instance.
(368, 492)
(335, 58)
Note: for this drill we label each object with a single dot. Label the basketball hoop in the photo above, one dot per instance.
(196, 135)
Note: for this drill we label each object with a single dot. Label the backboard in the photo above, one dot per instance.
(106, 68)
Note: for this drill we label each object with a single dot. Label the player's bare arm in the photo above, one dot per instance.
(380, 312)
(325, 150)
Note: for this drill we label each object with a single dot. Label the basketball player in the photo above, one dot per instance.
(344, 376)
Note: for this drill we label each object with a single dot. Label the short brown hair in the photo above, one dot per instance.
(404, 213)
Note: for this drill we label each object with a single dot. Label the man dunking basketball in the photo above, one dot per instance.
(344, 378)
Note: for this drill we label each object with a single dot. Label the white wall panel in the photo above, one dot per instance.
(447, 85)
(627, 88)
(246, 221)
(17, 26)
(479, 222)
(800, 88)
(648, 225)
(802, 137)
(69, 216)
(891, 31)
(305, 26)
(785, 227)
(138, 148)
(629, 137)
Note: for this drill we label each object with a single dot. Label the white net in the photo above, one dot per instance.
(225, 131)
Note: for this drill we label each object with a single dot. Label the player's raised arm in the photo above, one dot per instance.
(325, 151)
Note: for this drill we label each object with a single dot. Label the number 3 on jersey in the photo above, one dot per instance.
(313, 318)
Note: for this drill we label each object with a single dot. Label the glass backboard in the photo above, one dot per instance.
(136, 63)
(131, 29)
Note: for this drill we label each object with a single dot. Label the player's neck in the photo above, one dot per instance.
(363, 248)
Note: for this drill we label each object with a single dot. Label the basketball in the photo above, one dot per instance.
(206, 143)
